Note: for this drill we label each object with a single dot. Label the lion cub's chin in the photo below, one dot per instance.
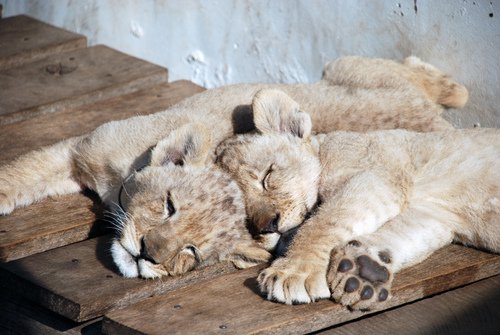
(268, 241)
(133, 267)
(125, 262)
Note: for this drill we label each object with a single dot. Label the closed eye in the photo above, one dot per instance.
(169, 206)
(265, 180)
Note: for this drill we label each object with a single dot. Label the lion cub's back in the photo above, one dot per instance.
(438, 164)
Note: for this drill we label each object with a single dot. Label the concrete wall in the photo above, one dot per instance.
(228, 41)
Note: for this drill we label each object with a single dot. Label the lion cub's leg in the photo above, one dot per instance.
(361, 273)
(37, 175)
(300, 276)
(372, 73)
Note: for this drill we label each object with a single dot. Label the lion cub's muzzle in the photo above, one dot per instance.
(268, 224)
(145, 255)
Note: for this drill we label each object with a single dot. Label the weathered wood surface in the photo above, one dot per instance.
(22, 317)
(231, 304)
(71, 79)
(67, 219)
(80, 282)
(473, 309)
(21, 137)
(24, 39)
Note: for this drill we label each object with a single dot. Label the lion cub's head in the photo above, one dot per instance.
(278, 168)
(180, 213)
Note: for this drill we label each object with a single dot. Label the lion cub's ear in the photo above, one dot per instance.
(275, 112)
(186, 145)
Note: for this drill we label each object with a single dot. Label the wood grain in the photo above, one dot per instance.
(21, 137)
(23, 317)
(67, 219)
(24, 39)
(472, 309)
(71, 79)
(80, 282)
(230, 303)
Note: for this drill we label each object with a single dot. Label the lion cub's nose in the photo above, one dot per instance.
(270, 224)
(144, 253)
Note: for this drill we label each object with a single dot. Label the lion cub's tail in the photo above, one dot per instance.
(38, 174)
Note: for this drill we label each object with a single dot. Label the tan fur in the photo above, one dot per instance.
(102, 159)
(401, 195)
(170, 209)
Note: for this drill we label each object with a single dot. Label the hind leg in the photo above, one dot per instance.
(438, 86)
(369, 73)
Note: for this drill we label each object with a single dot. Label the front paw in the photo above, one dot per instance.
(6, 203)
(357, 278)
(293, 281)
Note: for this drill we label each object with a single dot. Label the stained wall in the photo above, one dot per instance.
(220, 42)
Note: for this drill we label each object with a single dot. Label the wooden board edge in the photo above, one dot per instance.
(329, 314)
(33, 55)
(158, 77)
(472, 301)
(78, 41)
(406, 294)
(191, 278)
(46, 242)
(23, 287)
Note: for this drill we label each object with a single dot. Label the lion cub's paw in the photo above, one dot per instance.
(293, 281)
(360, 277)
(6, 204)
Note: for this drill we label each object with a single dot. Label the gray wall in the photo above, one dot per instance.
(228, 41)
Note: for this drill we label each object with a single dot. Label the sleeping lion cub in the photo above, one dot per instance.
(171, 207)
(378, 202)
(355, 93)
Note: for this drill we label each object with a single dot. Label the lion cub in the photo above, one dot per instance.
(378, 202)
(355, 93)
(179, 212)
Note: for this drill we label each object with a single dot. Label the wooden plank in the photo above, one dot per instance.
(71, 79)
(472, 309)
(80, 282)
(24, 39)
(67, 219)
(23, 317)
(231, 303)
(21, 137)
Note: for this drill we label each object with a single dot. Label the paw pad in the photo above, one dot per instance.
(371, 270)
(366, 292)
(345, 265)
(354, 243)
(385, 257)
(351, 285)
(383, 294)
(360, 278)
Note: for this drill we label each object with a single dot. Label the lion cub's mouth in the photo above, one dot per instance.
(131, 266)
(277, 243)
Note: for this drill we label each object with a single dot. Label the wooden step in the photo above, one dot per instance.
(231, 303)
(21, 316)
(472, 309)
(24, 39)
(67, 219)
(70, 79)
(80, 282)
